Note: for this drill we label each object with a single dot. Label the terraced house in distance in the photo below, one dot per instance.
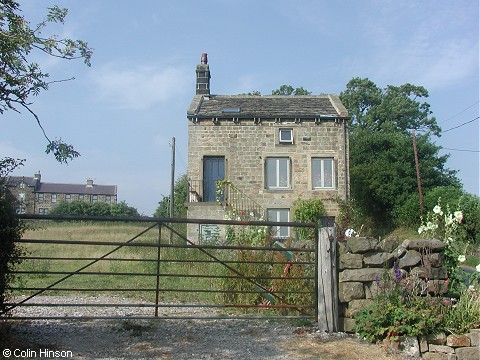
(36, 197)
(269, 150)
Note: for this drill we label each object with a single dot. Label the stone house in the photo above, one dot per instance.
(37, 197)
(272, 150)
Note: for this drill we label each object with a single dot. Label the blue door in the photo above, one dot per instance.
(213, 170)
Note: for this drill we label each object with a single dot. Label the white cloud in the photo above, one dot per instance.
(434, 51)
(139, 87)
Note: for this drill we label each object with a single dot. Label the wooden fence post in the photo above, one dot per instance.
(327, 276)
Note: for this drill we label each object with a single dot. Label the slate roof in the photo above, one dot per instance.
(272, 106)
(54, 188)
(77, 189)
(16, 180)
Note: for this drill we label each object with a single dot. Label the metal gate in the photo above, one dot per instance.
(130, 267)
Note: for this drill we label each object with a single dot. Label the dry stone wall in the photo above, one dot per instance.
(363, 262)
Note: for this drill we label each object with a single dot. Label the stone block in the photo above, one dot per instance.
(389, 244)
(409, 346)
(434, 259)
(362, 275)
(422, 342)
(432, 273)
(347, 325)
(399, 252)
(356, 305)
(350, 261)
(435, 356)
(434, 245)
(455, 340)
(468, 353)
(342, 247)
(474, 337)
(390, 345)
(441, 349)
(361, 245)
(437, 339)
(348, 291)
(378, 259)
(409, 259)
(371, 290)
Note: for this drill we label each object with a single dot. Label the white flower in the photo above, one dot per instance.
(438, 210)
(462, 258)
(449, 219)
(349, 233)
(458, 216)
(478, 268)
(431, 226)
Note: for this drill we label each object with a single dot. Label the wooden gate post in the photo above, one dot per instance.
(327, 276)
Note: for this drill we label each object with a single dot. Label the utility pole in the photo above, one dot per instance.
(419, 182)
(172, 186)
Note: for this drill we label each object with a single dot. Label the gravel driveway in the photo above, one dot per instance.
(174, 339)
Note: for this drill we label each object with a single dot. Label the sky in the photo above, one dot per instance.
(122, 112)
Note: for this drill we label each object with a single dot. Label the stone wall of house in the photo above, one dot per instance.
(245, 146)
(362, 263)
(201, 233)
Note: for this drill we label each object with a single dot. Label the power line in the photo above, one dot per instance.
(473, 151)
(465, 123)
(461, 112)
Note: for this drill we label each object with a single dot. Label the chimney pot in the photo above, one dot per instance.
(204, 59)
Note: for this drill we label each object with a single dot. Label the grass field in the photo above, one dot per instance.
(129, 267)
(188, 275)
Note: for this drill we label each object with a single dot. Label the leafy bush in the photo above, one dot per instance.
(444, 196)
(397, 310)
(262, 265)
(469, 205)
(81, 208)
(11, 230)
(408, 214)
(449, 228)
(307, 211)
(351, 217)
(462, 315)
(180, 190)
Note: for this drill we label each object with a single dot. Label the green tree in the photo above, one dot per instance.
(20, 78)
(289, 90)
(180, 190)
(11, 230)
(81, 208)
(382, 163)
(395, 108)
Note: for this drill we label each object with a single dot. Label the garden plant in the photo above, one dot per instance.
(404, 307)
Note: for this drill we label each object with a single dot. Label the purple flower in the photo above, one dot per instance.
(397, 271)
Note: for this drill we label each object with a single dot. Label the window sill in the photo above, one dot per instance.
(278, 190)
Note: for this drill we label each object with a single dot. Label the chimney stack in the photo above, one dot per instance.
(37, 176)
(203, 76)
(89, 183)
